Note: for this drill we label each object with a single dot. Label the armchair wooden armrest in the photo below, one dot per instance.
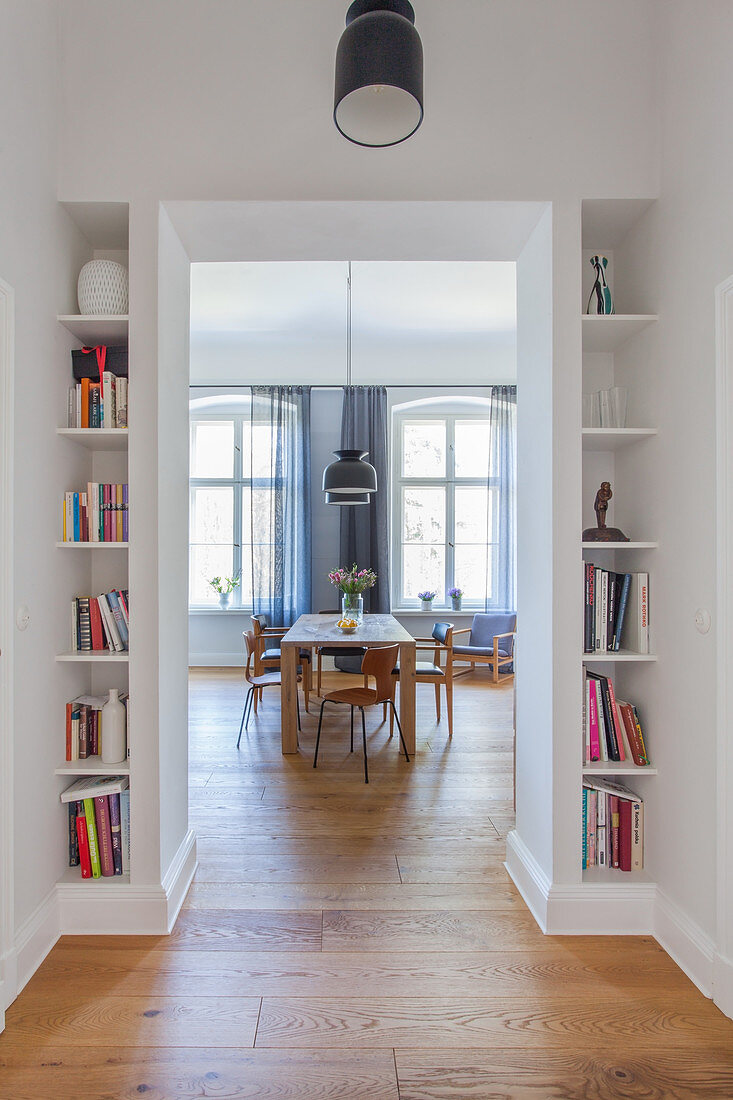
(463, 630)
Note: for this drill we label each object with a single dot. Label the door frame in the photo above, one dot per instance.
(7, 900)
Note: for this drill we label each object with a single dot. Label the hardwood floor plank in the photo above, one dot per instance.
(501, 894)
(66, 1018)
(465, 1022)
(141, 970)
(170, 1073)
(603, 1074)
(428, 931)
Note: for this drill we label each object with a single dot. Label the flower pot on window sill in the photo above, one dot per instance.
(456, 602)
(426, 605)
(225, 600)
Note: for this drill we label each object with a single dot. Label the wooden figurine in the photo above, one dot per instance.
(601, 533)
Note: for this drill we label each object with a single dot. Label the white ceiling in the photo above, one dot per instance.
(404, 301)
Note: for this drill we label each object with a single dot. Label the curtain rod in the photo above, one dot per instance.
(335, 386)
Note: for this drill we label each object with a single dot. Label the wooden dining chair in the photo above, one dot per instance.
(267, 653)
(377, 662)
(432, 672)
(257, 683)
(336, 651)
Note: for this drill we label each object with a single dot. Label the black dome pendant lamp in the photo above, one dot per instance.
(349, 480)
(378, 99)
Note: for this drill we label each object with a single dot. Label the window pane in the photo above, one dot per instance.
(472, 448)
(212, 516)
(423, 567)
(212, 448)
(423, 448)
(471, 572)
(207, 562)
(474, 518)
(423, 515)
(263, 450)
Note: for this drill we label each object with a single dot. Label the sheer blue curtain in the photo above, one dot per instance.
(280, 516)
(502, 594)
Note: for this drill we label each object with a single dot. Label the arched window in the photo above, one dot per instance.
(445, 516)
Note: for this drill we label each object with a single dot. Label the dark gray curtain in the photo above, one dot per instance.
(503, 473)
(365, 527)
(280, 453)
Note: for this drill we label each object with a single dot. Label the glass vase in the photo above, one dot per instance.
(352, 606)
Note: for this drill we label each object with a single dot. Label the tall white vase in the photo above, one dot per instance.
(114, 730)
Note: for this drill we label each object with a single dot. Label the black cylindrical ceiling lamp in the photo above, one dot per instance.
(379, 74)
(349, 477)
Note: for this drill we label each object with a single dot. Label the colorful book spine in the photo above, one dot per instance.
(104, 835)
(595, 745)
(125, 830)
(92, 838)
(115, 822)
(73, 838)
(83, 839)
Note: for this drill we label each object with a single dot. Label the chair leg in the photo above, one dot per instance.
(318, 674)
(318, 735)
(399, 727)
(307, 681)
(363, 738)
(256, 696)
(449, 705)
(253, 697)
(391, 713)
(437, 702)
(352, 730)
(244, 714)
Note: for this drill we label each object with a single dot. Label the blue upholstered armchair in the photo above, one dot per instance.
(491, 643)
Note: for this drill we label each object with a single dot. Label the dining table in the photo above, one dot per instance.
(311, 631)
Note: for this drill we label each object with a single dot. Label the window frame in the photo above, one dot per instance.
(449, 414)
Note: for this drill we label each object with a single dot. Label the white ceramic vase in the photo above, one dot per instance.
(114, 729)
(225, 599)
(103, 289)
(427, 605)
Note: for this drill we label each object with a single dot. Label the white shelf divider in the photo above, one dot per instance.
(92, 545)
(619, 545)
(97, 439)
(94, 657)
(616, 767)
(96, 330)
(613, 439)
(618, 655)
(612, 877)
(72, 877)
(93, 765)
(609, 332)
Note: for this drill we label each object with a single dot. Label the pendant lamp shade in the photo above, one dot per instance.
(347, 499)
(350, 475)
(378, 97)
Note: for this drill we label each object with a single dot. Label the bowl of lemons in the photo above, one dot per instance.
(347, 626)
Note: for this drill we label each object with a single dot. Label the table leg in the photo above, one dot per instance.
(288, 697)
(407, 695)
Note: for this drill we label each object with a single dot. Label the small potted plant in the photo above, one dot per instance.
(351, 583)
(456, 596)
(426, 599)
(224, 586)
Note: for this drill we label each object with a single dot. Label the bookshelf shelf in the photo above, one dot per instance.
(608, 333)
(97, 439)
(92, 545)
(93, 765)
(613, 767)
(618, 655)
(100, 330)
(613, 878)
(613, 439)
(94, 657)
(620, 545)
(72, 877)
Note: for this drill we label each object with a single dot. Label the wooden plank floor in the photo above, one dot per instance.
(352, 941)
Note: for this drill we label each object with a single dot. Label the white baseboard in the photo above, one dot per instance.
(177, 878)
(528, 877)
(723, 984)
(33, 941)
(685, 942)
(108, 908)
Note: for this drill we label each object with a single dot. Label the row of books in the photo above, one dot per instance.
(90, 406)
(101, 622)
(616, 610)
(84, 725)
(99, 825)
(611, 727)
(613, 826)
(98, 515)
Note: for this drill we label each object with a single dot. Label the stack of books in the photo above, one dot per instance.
(97, 515)
(90, 407)
(616, 610)
(613, 826)
(611, 727)
(99, 825)
(101, 622)
(84, 725)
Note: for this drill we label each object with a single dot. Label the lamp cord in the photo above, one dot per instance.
(348, 325)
